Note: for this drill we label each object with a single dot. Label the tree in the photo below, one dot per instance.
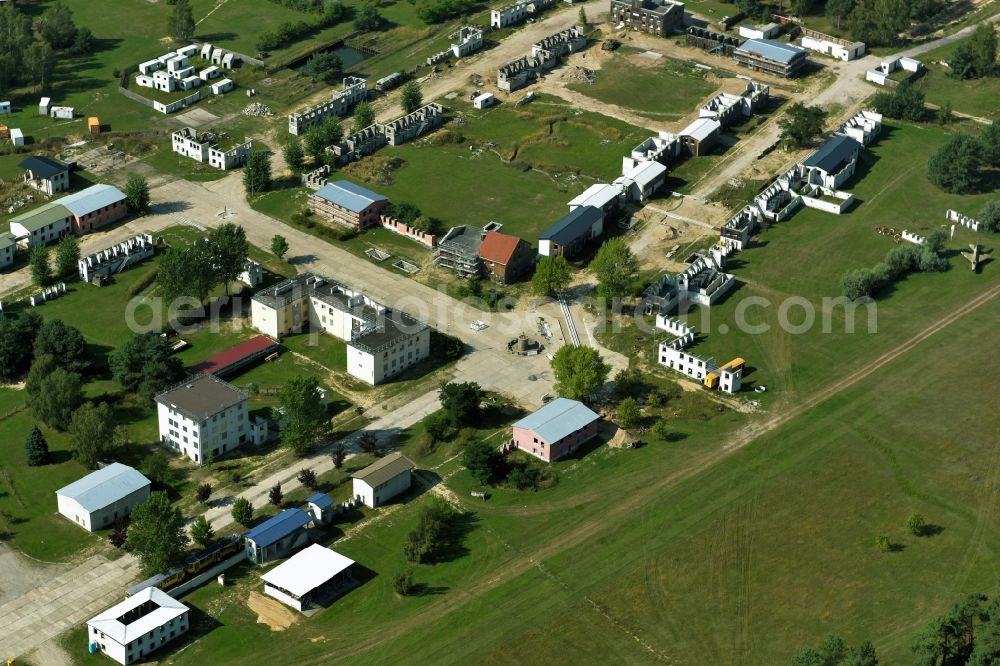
(916, 524)
(438, 426)
(67, 256)
(181, 24)
(551, 276)
(40, 64)
(144, 365)
(305, 416)
(15, 355)
(429, 537)
(368, 18)
(615, 267)
(579, 371)
(318, 137)
(628, 413)
(326, 67)
(41, 271)
(800, 125)
(279, 246)
(294, 156)
(882, 543)
(402, 582)
(987, 650)
(989, 216)
(950, 635)
(137, 194)
(202, 532)
(229, 249)
(983, 49)
(944, 115)
(65, 344)
(957, 167)
(56, 26)
(156, 467)
(339, 454)
(275, 496)
(905, 102)
(242, 511)
(307, 478)
(627, 382)
(483, 461)
(990, 139)
(581, 18)
(156, 533)
(838, 10)
(411, 98)
(368, 443)
(879, 22)
(257, 172)
(461, 401)
(862, 655)
(36, 449)
(92, 433)
(53, 392)
(204, 492)
(364, 116)
(120, 535)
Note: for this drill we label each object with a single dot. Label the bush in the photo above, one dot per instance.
(307, 478)
(882, 543)
(204, 492)
(402, 582)
(915, 524)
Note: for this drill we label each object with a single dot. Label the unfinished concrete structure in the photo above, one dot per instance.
(544, 56)
(204, 147)
(656, 17)
(458, 250)
(116, 258)
(468, 40)
(341, 102)
(841, 49)
(358, 144)
(727, 377)
(395, 132)
(711, 41)
(728, 108)
(519, 11)
(767, 55)
(703, 282)
(964, 220)
(882, 75)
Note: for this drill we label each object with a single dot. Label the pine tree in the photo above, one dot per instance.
(181, 26)
(36, 448)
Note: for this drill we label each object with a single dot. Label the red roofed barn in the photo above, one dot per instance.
(505, 258)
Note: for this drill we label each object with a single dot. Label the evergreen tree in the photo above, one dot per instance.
(957, 167)
(36, 448)
(275, 496)
(181, 25)
(137, 194)
(41, 271)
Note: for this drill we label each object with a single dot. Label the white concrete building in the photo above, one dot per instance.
(602, 196)
(141, 624)
(841, 49)
(102, 498)
(8, 250)
(45, 175)
(727, 377)
(384, 479)
(312, 574)
(768, 31)
(204, 148)
(484, 101)
(202, 416)
(381, 343)
(222, 87)
(16, 137)
(640, 179)
(832, 164)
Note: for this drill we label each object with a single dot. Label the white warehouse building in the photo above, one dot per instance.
(128, 632)
(202, 416)
(101, 498)
(383, 479)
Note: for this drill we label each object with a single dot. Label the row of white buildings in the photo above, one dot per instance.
(204, 147)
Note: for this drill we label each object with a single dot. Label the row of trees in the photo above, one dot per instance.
(30, 57)
(900, 260)
(285, 33)
(960, 165)
(198, 268)
(977, 57)
(834, 651)
(438, 11)
(615, 267)
(67, 260)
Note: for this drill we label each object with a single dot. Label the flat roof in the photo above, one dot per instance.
(307, 569)
(42, 216)
(278, 527)
(348, 195)
(110, 621)
(557, 419)
(105, 486)
(773, 50)
(389, 327)
(93, 198)
(577, 223)
(43, 167)
(200, 397)
(223, 361)
(384, 469)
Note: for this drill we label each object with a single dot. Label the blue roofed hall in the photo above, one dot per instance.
(555, 429)
(277, 536)
(568, 236)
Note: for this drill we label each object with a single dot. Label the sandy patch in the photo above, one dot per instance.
(271, 612)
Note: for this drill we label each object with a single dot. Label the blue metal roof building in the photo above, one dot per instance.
(91, 199)
(277, 535)
(322, 500)
(768, 55)
(348, 195)
(558, 419)
(833, 155)
(566, 236)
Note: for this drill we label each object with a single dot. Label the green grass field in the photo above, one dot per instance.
(665, 89)
(977, 97)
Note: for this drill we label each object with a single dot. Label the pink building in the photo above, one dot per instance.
(95, 207)
(556, 429)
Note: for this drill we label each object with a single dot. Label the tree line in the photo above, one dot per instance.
(31, 49)
(899, 261)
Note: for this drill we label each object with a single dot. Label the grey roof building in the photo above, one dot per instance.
(833, 155)
(383, 479)
(202, 397)
(768, 55)
(103, 497)
(657, 17)
(567, 236)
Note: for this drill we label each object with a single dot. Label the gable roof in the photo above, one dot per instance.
(6, 240)
(201, 397)
(105, 486)
(384, 469)
(598, 195)
(223, 361)
(307, 569)
(646, 172)
(43, 167)
(772, 50)
(93, 198)
(498, 247)
(110, 621)
(558, 419)
(832, 155)
(577, 223)
(322, 500)
(278, 527)
(348, 195)
(42, 216)
(701, 129)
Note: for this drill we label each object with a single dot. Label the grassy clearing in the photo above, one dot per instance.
(976, 97)
(666, 90)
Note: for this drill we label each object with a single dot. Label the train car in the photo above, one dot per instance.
(194, 565)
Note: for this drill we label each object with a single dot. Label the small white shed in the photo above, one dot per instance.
(16, 137)
(310, 576)
(4, 108)
(43, 106)
(384, 479)
(221, 87)
(64, 112)
(484, 101)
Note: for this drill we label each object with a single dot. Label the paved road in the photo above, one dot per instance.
(64, 602)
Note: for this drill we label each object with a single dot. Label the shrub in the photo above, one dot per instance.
(402, 582)
(204, 492)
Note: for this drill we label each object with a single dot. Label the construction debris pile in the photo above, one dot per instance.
(258, 110)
